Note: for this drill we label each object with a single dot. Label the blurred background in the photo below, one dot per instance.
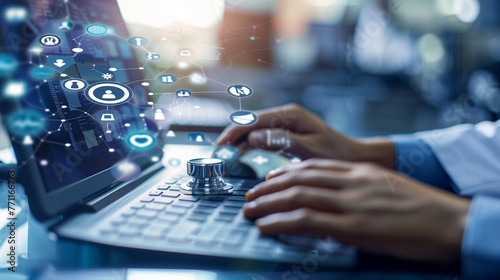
(368, 67)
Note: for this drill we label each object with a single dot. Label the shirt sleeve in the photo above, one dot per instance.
(415, 158)
(480, 245)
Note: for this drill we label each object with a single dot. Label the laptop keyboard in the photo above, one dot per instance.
(163, 213)
(164, 218)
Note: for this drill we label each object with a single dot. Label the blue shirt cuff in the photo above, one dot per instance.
(480, 245)
(415, 158)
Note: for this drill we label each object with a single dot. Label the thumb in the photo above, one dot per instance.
(273, 139)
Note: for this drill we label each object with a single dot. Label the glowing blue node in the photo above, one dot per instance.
(97, 29)
(226, 153)
(26, 122)
(41, 73)
(8, 64)
(240, 91)
(243, 118)
(141, 140)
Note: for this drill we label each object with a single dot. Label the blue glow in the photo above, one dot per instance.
(97, 29)
(141, 140)
(26, 123)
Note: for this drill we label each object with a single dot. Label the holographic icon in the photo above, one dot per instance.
(26, 122)
(59, 63)
(243, 118)
(107, 117)
(141, 140)
(152, 56)
(240, 91)
(16, 14)
(41, 73)
(183, 93)
(108, 93)
(260, 160)
(159, 115)
(186, 52)
(14, 89)
(196, 137)
(138, 41)
(8, 64)
(65, 25)
(166, 79)
(50, 40)
(97, 29)
(107, 76)
(74, 84)
(226, 153)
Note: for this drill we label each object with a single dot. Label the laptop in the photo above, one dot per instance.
(110, 173)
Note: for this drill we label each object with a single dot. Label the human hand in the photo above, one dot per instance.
(360, 204)
(308, 136)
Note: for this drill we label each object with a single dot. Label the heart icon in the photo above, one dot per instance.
(141, 140)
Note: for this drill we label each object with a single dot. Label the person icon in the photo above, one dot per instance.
(159, 116)
(108, 94)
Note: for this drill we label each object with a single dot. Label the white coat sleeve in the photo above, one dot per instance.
(470, 155)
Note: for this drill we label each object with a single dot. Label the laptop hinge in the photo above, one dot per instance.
(102, 200)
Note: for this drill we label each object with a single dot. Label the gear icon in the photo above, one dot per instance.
(107, 76)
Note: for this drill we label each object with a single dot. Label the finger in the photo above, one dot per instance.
(302, 221)
(285, 117)
(315, 178)
(321, 164)
(295, 198)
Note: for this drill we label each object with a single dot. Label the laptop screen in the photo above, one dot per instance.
(76, 96)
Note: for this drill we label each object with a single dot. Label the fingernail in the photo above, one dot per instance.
(249, 194)
(248, 207)
(273, 172)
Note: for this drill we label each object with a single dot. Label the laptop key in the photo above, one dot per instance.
(163, 200)
(205, 210)
(182, 231)
(137, 206)
(147, 199)
(236, 204)
(212, 204)
(142, 220)
(242, 193)
(118, 222)
(129, 232)
(155, 193)
(109, 231)
(128, 213)
(177, 211)
(224, 218)
(171, 194)
(154, 236)
(168, 217)
(199, 217)
(234, 238)
(229, 211)
(183, 204)
(237, 198)
(156, 207)
(163, 188)
(209, 233)
(214, 198)
(188, 198)
(145, 214)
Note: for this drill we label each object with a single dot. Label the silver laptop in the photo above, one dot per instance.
(86, 164)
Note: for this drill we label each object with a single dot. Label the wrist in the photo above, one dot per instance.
(379, 150)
